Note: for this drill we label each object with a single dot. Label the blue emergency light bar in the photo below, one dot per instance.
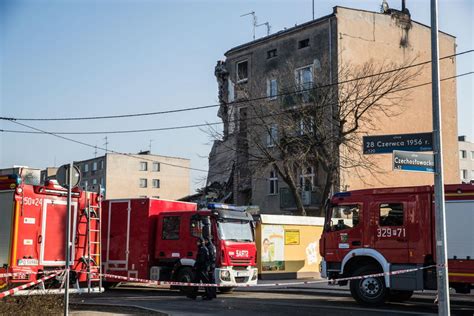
(222, 206)
(342, 194)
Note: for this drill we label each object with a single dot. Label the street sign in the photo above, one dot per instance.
(411, 161)
(62, 175)
(386, 144)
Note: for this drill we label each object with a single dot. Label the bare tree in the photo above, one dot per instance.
(317, 125)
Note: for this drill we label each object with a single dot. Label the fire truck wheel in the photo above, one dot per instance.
(226, 290)
(185, 275)
(368, 291)
(399, 296)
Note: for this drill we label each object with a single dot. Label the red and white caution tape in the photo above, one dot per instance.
(27, 285)
(332, 281)
(9, 275)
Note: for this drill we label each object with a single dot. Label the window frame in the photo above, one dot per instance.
(301, 43)
(153, 183)
(272, 135)
(270, 95)
(272, 53)
(379, 222)
(273, 183)
(178, 227)
(143, 163)
(145, 181)
(238, 79)
(158, 169)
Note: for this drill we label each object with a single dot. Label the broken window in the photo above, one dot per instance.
(242, 71)
(303, 43)
(272, 89)
(271, 53)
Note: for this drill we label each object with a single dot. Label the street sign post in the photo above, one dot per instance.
(412, 161)
(386, 144)
(68, 176)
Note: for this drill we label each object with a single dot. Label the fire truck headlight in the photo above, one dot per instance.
(225, 275)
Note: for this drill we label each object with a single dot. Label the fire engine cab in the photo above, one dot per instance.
(392, 229)
(156, 239)
(32, 232)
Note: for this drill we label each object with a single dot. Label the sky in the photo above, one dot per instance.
(84, 58)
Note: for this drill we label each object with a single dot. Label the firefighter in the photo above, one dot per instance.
(212, 266)
(201, 269)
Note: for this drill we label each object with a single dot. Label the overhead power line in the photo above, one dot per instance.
(230, 103)
(130, 131)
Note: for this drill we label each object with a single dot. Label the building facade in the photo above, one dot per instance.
(466, 159)
(135, 176)
(299, 57)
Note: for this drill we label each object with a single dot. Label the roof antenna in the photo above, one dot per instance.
(268, 27)
(106, 143)
(149, 145)
(254, 21)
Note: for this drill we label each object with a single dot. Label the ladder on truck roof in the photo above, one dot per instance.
(94, 239)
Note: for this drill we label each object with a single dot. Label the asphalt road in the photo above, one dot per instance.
(296, 300)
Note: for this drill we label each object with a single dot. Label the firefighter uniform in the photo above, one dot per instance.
(212, 266)
(201, 269)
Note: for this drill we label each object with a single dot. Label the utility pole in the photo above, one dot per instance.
(313, 9)
(68, 239)
(440, 219)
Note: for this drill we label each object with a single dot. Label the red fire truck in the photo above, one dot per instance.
(32, 232)
(156, 239)
(391, 229)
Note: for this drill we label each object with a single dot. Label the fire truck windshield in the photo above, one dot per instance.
(235, 230)
(343, 217)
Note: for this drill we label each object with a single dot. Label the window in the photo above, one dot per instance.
(272, 89)
(102, 182)
(273, 183)
(94, 181)
(143, 183)
(271, 53)
(242, 71)
(156, 196)
(84, 184)
(303, 43)
(142, 196)
(304, 81)
(101, 165)
(143, 166)
(156, 183)
(391, 214)
(196, 227)
(170, 228)
(272, 135)
(94, 166)
(307, 179)
(156, 166)
(306, 126)
(344, 217)
(463, 154)
(86, 167)
(464, 175)
(472, 154)
(230, 91)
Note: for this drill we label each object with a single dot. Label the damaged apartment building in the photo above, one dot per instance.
(262, 70)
